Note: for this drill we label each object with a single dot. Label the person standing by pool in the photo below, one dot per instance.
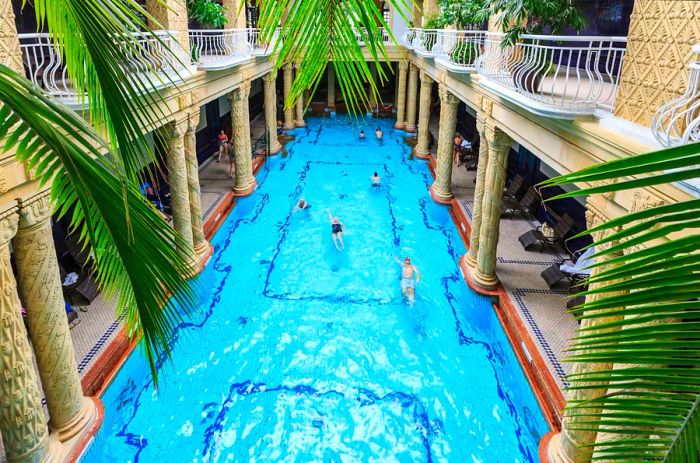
(408, 283)
(376, 180)
(337, 228)
(379, 133)
(223, 144)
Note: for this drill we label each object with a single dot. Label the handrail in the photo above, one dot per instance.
(565, 74)
(458, 50)
(677, 122)
(361, 33)
(219, 48)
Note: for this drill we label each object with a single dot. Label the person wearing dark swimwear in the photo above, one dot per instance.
(376, 180)
(337, 228)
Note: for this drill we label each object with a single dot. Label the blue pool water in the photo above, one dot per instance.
(301, 353)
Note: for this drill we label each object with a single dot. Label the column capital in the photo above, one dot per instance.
(240, 93)
(425, 78)
(192, 120)
(175, 129)
(8, 224)
(496, 138)
(447, 97)
(593, 217)
(413, 69)
(35, 209)
(270, 77)
(403, 65)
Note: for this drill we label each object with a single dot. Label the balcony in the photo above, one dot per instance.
(362, 33)
(215, 49)
(156, 62)
(677, 122)
(555, 76)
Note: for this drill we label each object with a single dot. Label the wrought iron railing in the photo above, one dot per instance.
(221, 48)
(677, 122)
(458, 50)
(566, 74)
(361, 33)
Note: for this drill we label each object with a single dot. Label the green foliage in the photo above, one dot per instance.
(207, 12)
(640, 330)
(465, 53)
(433, 22)
(460, 13)
(532, 16)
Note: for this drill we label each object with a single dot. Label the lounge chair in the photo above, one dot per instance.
(573, 272)
(514, 187)
(557, 237)
(527, 205)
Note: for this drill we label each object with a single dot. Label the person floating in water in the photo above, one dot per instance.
(408, 283)
(362, 134)
(301, 205)
(337, 228)
(376, 180)
(379, 133)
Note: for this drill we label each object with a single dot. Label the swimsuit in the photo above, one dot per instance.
(336, 228)
(407, 283)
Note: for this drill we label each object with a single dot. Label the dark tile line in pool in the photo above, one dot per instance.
(428, 428)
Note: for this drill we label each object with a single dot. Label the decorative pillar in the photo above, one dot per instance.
(177, 181)
(235, 14)
(571, 445)
(245, 182)
(22, 424)
(430, 10)
(417, 15)
(331, 87)
(171, 15)
(491, 205)
(42, 295)
(199, 242)
(401, 96)
(10, 53)
(471, 257)
(441, 189)
(412, 95)
(288, 110)
(375, 78)
(299, 122)
(422, 149)
(270, 81)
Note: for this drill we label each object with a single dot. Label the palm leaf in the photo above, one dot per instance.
(138, 259)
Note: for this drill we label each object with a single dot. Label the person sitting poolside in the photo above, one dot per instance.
(408, 283)
(378, 133)
(362, 134)
(337, 228)
(301, 205)
(376, 180)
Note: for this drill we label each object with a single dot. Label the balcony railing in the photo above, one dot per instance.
(458, 50)
(384, 34)
(157, 58)
(260, 47)
(554, 75)
(407, 38)
(427, 42)
(677, 122)
(220, 48)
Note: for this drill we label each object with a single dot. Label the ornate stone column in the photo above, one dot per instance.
(441, 189)
(42, 295)
(243, 161)
(299, 121)
(570, 445)
(199, 242)
(422, 149)
(22, 424)
(401, 96)
(331, 87)
(10, 53)
(288, 110)
(271, 112)
(412, 96)
(471, 257)
(375, 78)
(177, 181)
(171, 15)
(491, 205)
(235, 14)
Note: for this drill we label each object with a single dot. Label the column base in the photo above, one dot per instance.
(275, 147)
(299, 124)
(246, 189)
(420, 154)
(551, 450)
(288, 126)
(440, 196)
(80, 422)
(487, 282)
(400, 125)
(203, 251)
(470, 260)
(410, 128)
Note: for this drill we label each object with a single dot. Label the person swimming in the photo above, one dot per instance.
(337, 228)
(362, 134)
(379, 133)
(301, 205)
(376, 180)
(408, 282)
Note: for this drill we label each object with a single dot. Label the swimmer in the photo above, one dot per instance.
(337, 228)
(378, 133)
(408, 283)
(301, 205)
(376, 180)
(362, 134)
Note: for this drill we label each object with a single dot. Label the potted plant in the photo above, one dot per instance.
(208, 13)
(431, 22)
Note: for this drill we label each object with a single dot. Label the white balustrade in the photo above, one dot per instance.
(153, 60)
(564, 75)
(677, 122)
(427, 42)
(260, 47)
(361, 33)
(221, 48)
(458, 50)
(407, 38)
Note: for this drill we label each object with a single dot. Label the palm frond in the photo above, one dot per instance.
(138, 256)
(642, 315)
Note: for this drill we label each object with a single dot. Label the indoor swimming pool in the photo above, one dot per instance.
(303, 353)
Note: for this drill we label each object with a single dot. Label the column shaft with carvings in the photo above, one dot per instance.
(491, 205)
(299, 113)
(422, 149)
(270, 82)
(42, 295)
(199, 241)
(441, 190)
(22, 423)
(177, 181)
(401, 96)
(235, 14)
(245, 181)
(288, 110)
(411, 103)
(10, 53)
(471, 257)
(172, 16)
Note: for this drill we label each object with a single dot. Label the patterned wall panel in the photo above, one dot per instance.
(655, 69)
(10, 54)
